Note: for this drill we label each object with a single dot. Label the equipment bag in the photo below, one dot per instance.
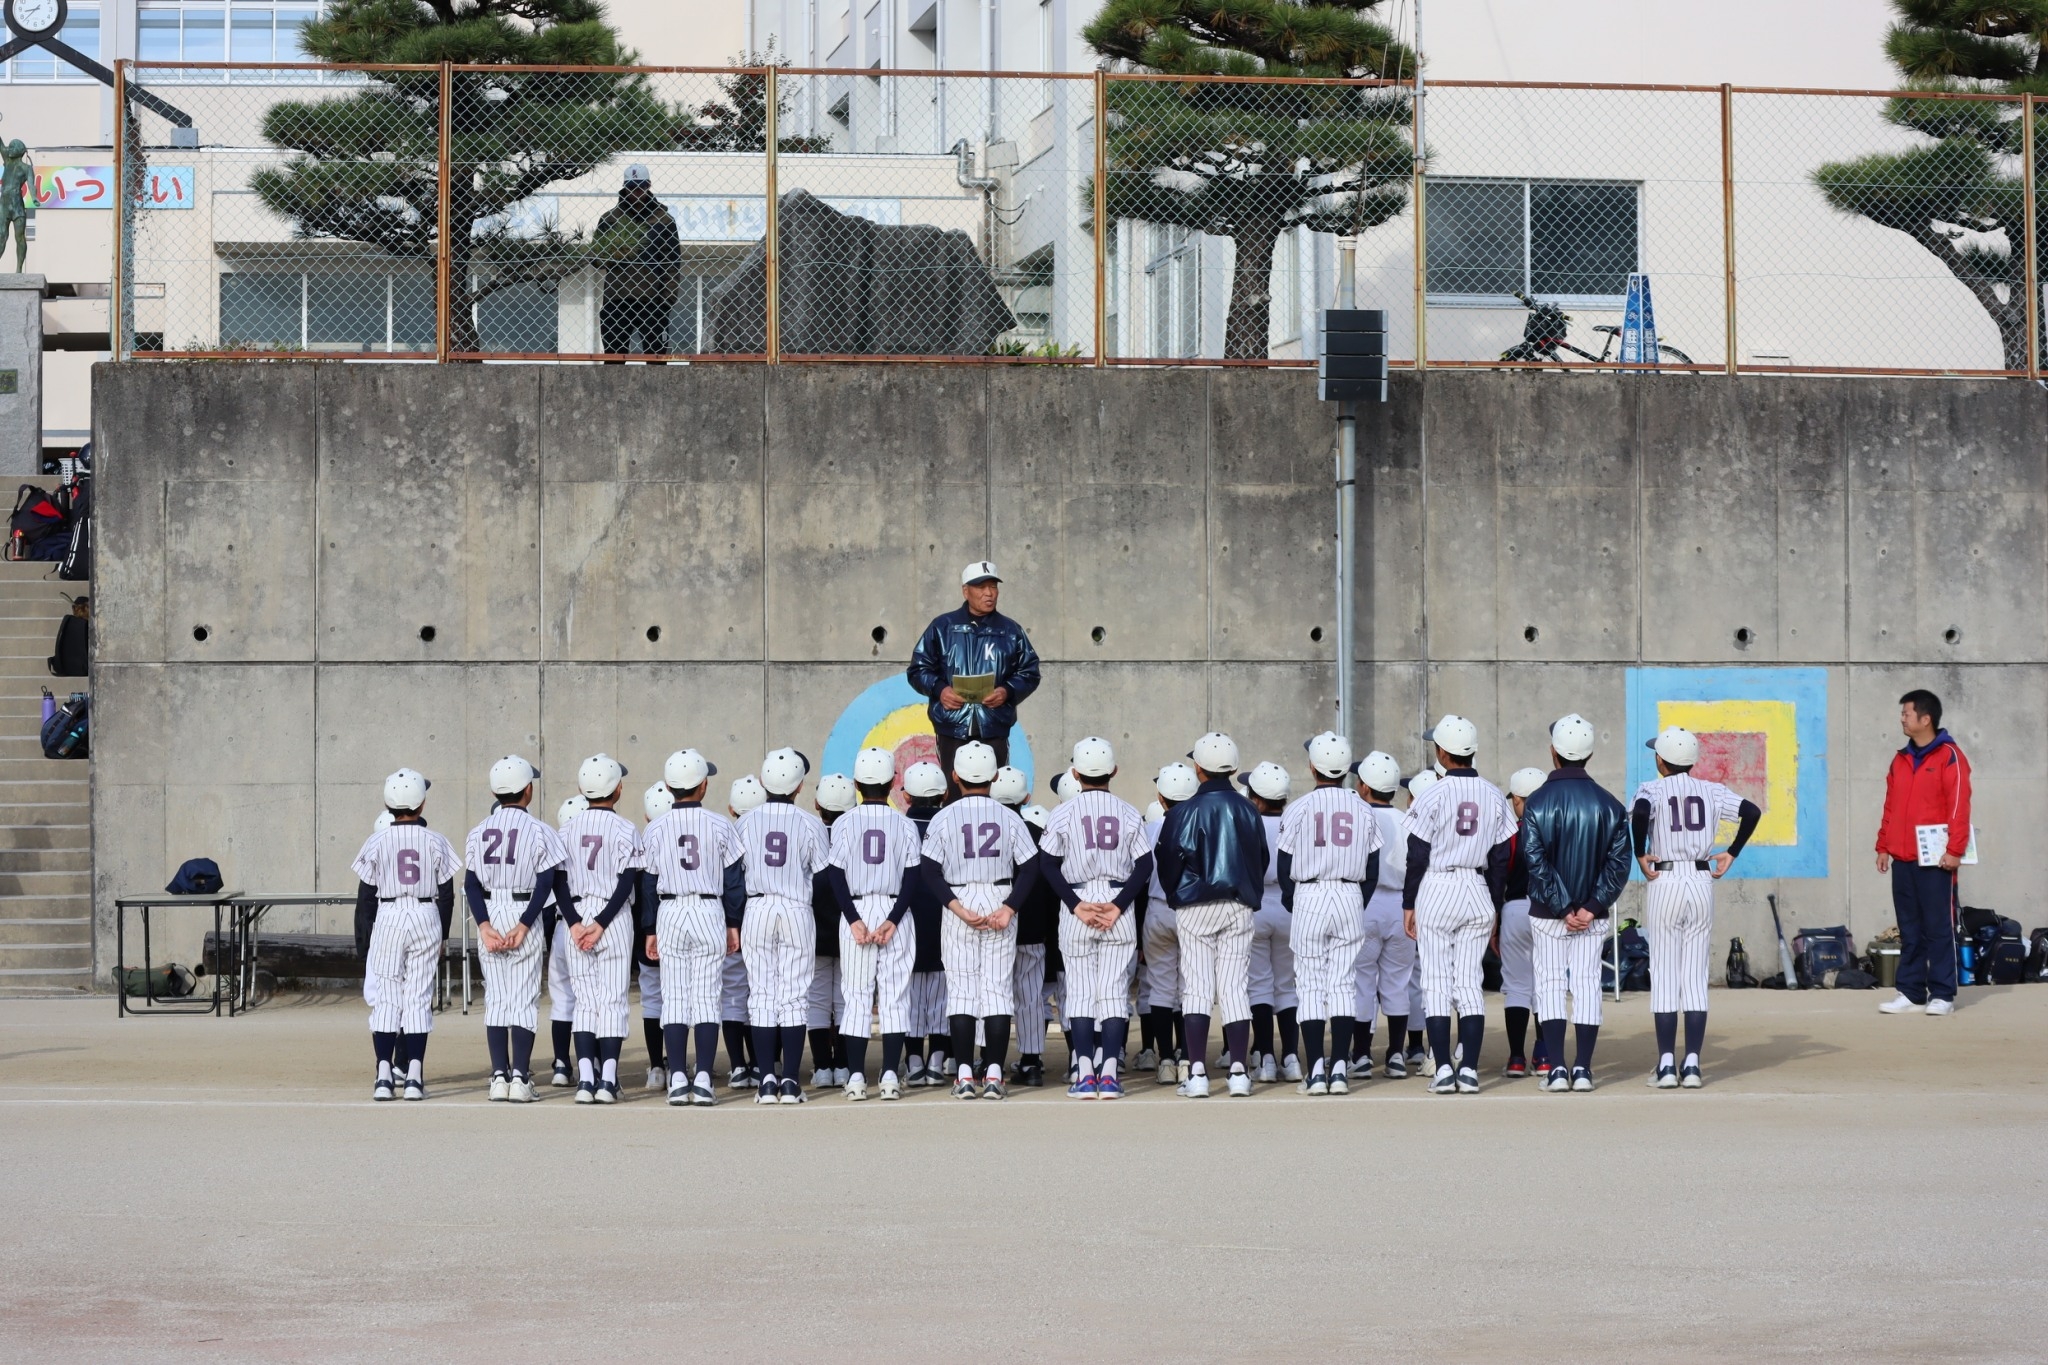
(168, 982)
(36, 513)
(1634, 951)
(1816, 952)
(76, 563)
(2003, 962)
(68, 731)
(1739, 975)
(2037, 956)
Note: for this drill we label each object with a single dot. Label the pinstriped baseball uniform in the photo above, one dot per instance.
(876, 846)
(1386, 955)
(1461, 818)
(601, 844)
(1329, 836)
(406, 863)
(688, 848)
(785, 848)
(509, 852)
(980, 843)
(1162, 938)
(1272, 965)
(1567, 962)
(1685, 821)
(561, 986)
(1098, 839)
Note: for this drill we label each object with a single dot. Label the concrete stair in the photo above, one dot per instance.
(45, 804)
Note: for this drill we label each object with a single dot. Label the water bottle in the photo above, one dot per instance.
(1968, 973)
(49, 706)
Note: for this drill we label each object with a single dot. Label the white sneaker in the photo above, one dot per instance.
(520, 1091)
(1184, 1069)
(856, 1086)
(840, 1075)
(1195, 1087)
(657, 1078)
(1169, 1071)
(1340, 1080)
(1899, 1004)
(501, 1087)
(679, 1092)
(1146, 1060)
(414, 1090)
(1941, 1007)
(1240, 1083)
(1318, 1083)
(1291, 1068)
(1268, 1072)
(821, 1078)
(1446, 1082)
(891, 1088)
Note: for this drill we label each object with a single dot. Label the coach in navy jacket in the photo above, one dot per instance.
(972, 640)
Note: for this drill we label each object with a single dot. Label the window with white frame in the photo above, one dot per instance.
(1575, 241)
(223, 31)
(1174, 292)
(362, 307)
(1284, 318)
(81, 30)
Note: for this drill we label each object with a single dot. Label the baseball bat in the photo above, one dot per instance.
(1784, 952)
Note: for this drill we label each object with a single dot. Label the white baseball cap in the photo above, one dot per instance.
(1215, 752)
(1677, 746)
(1094, 756)
(600, 776)
(1177, 782)
(405, 790)
(1154, 811)
(1268, 780)
(874, 767)
(637, 175)
(980, 571)
(575, 805)
(1523, 781)
(1380, 771)
(923, 780)
(512, 775)
(1420, 783)
(783, 771)
(1035, 815)
(686, 770)
(1572, 737)
(837, 793)
(385, 819)
(1010, 788)
(975, 763)
(747, 793)
(1064, 786)
(1454, 735)
(1329, 753)
(658, 800)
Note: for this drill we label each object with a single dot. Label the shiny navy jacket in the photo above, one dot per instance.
(1213, 848)
(1575, 842)
(963, 645)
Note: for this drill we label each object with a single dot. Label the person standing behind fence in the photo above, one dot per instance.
(1928, 785)
(642, 257)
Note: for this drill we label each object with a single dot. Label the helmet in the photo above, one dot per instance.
(1419, 784)
(405, 790)
(837, 793)
(1677, 746)
(599, 776)
(1379, 771)
(1215, 753)
(1035, 816)
(384, 821)
(783, 771)
(686, 770)
(923, 780)
(1064, 786)
(1269, 780)
(1176, 782)
(1154, 811)
(575, 805)
(747, 793)
(1329, 753)
(1094, 757)
(1455, 735)
(658, 801)
(874, 767)
(1011, 787)
(1525, 780)
(512, 775)
(975, 763)
(1572, 737)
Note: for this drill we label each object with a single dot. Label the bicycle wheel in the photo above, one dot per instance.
(1672, 353)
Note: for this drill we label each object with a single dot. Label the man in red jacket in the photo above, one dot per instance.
(1929, 784)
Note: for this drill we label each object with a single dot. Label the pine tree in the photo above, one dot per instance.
(1967, 185)
(1250, 161)
(366, 167)
(739, 122)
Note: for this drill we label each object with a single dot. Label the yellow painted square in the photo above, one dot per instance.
(1778, 722)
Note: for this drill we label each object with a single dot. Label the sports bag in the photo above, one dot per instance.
(1739, 976)
(68, 731)
(76, 561)
(1817, 952)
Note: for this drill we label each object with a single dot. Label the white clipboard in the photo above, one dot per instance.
(1932, 842)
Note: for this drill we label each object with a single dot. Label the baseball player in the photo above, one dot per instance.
(1575, 836)
(1458, 835)
(406, 880)
(604, 859)
(700, 893)
(1175, 783)
(1043, 911)
(825, 1007)
(1272, 980)
(511, 858)
(1517, 943)
(979, 860)
(1675, 820)
(786, 847)
(925, 786)
(746, 794)
(1329, 850)
(1386, 955)
(1418, 1057)
(1212, 861)
(656, 801)
(561, 990)
(1034, 927)
(876, 851)
(1097, 859)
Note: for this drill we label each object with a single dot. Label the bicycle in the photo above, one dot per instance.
(1546, 333)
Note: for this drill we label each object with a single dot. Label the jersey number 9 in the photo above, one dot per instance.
(775, 848)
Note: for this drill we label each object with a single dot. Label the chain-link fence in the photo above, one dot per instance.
(810, 215)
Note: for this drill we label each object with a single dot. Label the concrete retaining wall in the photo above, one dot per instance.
(790, 530)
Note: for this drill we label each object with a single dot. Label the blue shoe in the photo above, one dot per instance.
(1108, 1088)
(1082, 1089)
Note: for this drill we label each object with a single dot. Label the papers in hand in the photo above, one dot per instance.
(975, 689)
(1932, 841)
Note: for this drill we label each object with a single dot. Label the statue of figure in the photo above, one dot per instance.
(17, 200)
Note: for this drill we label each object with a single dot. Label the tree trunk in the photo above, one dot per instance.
(2008, 314)
(461, 318)
(1246, 332)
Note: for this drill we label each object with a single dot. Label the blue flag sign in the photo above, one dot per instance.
(1638, 323)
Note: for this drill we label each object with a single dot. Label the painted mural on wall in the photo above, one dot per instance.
(890, 715)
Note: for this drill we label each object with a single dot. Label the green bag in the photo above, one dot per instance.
(168, 982)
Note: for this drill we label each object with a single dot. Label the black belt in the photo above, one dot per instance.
(1330, 881)
(388, 900)
(687, 895)
(1701, 864)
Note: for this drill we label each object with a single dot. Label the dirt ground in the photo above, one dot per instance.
(1846, 1187)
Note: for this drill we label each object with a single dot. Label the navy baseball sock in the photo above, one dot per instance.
(1290, 1031)
(1695, 1032)
(1262, 1028)
(1397, 1028)
(414, 1048)
(763, 1050)
(401, 1054)
(707, 1047)
(1083, 1046)
(1667, 1034)
(937, 1043)
(1162, 1029)
(855, 1053)
(564, 1045)
(1196, 1035)
(792, 1051)
(995, 1028)
(1588, 1034)
(1361, 1042)
(1179, 1033)
(1471, 1036)
(676, 1047)
(608, 1050)
(1237, 1041)
(1518, 1031)
(1114, 1034)
(822, 1048)
(1553, 1041)
(1341, 1026)
(961, 1046)
(738, 1051)
(501, 1049)
(385, 1045)
(1148, 1029)
(586, 1057)
(522, 1051)
(1439, 1027)
(1414, 1038)
(1312, 1044)
(892, 1053)
(657, 1055)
